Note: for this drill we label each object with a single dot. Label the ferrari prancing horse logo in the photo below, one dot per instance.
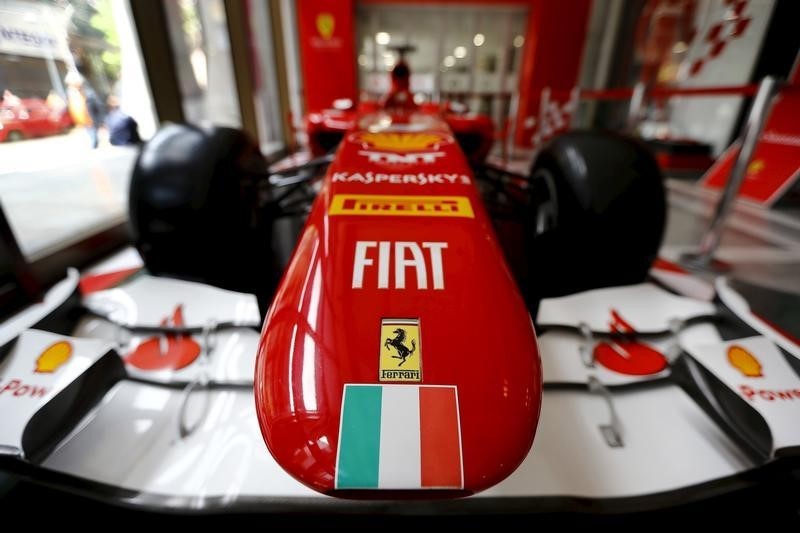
(400, 353)
(325, 25)
(397, 343)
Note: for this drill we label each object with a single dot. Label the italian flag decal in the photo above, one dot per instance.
(399, 437)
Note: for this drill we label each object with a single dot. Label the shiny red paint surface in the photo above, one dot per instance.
(476, 131)
(322, 333)
(625, 355)
(326, 128)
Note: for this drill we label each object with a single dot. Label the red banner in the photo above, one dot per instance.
(776, 161)
(552, 59)
(327, 51)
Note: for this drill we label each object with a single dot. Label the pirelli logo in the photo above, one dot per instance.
(410, 206)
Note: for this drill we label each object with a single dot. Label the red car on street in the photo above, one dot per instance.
(32, 117)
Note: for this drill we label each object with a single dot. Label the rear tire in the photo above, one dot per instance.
(597, 217)
(15, 136)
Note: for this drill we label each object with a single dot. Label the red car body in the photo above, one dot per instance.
(474, 132)
(326, 129)
(398, 264)
(32, 118)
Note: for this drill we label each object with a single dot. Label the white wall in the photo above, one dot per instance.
(712, 119)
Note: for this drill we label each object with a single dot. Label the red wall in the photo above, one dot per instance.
(327, 51)
(552, 54)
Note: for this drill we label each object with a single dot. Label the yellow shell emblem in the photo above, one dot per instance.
(744, 362)
(53, 357)
(756, 166)
(401, 141)
(325, 25)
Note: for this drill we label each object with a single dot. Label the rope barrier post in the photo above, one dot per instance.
(636, 107)
(703, 259)
(541, 125)
(513, 109)
(574, 105)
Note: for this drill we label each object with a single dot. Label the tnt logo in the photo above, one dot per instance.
(391, 158)
(395, 205)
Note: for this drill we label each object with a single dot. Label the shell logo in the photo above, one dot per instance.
(169, 351)
(626, 355)
(745, 362)
(325, 25)
(756, 166)
(53, 357)
(402, 142)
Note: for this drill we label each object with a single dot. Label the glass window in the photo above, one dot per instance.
(683, 44)
(74, 103)
(199, 36)
(269, 113)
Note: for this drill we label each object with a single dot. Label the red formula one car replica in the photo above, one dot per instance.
(398, 352)
(393, 279)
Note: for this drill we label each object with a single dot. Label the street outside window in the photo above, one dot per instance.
(74, 107)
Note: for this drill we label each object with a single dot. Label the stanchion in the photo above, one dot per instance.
(703, 259)
(636, 106)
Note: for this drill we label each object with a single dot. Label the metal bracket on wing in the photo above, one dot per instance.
(586, 348)
(185, 428)
(122, 337)
(612, 431)
(673, 352)
(201, 382)
(209, 339)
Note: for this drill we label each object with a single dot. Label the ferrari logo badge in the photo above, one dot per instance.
(325, 25)
(401, 350)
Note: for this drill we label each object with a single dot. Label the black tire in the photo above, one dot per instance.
(597, 217)
(194, 210)
(14, 136)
